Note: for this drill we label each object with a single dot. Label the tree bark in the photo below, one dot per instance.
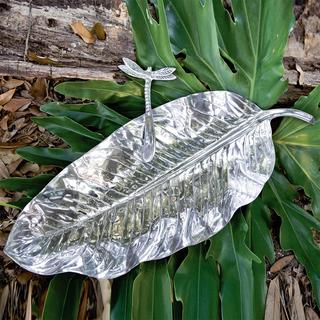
(42, 27)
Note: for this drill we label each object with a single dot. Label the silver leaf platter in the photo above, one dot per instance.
(109, 210)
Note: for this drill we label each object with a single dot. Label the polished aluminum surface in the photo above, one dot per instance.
(110, 210)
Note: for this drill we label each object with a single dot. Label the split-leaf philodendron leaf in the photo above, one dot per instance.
(298, 147)
(259, 239)
(252, 39)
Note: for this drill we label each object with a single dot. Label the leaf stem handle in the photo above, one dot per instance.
(286, 112)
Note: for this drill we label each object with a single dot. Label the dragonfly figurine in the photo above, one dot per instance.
(164, 74)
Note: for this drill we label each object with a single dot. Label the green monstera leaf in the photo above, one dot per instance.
(122, 297)
(298, 147)
(63, 297)
(196, 284)
(126, 98)
(230, 250)
(77, 136)
(153, 49)
(152, 286)
(260, 241)
(93, 115)
(252, 39)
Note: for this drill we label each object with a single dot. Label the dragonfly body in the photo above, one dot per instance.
(134, 70)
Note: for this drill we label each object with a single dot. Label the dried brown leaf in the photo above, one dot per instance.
(311, 314)
(4, 123)
(6, 96)
(18, 124)
(301, 75)
(80, 30)
(29, 302)
(97, 296)
(39, 89)
(283, 314)
(82, 315)
(284, 279)
(316, 236)
(8, 157)
(12, 167)
(281, 263)
(26, 94)
(13, 83)
(4, 172)
(273, 306)
(3, 300)
(48, 168)
(36, 112)
(297, 311)
(13, 145)
(32, 56)
(16, 103)
(3, 239)
(99, 30)
(105, 286)
(24, 277)
(6, 224)
(4, 200)
(13, 129)
(29, 167)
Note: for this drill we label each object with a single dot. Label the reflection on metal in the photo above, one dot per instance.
(132, 69)
(110, 210)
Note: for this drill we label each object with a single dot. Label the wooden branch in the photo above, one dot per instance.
(43, 27)
(47, 33)
(25, 69)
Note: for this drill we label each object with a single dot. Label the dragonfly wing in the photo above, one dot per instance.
(163, 78)
(164, 74)
(132, 72)
(132, 65)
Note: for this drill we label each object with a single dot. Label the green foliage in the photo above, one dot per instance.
(260, 241)
(255, 44)
(49, 156)
(30, 186)
(240, 51)
(121, 300)
(63, 297)
(229, 249)
(196, 284)
(153, 49)
(151, 298)
(296, 227)
(93, 115)
(298, 148)
(251, 44)
(77, 136)
(101, 90)
(126, 97)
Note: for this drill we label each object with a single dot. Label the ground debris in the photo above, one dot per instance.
(290, 289)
